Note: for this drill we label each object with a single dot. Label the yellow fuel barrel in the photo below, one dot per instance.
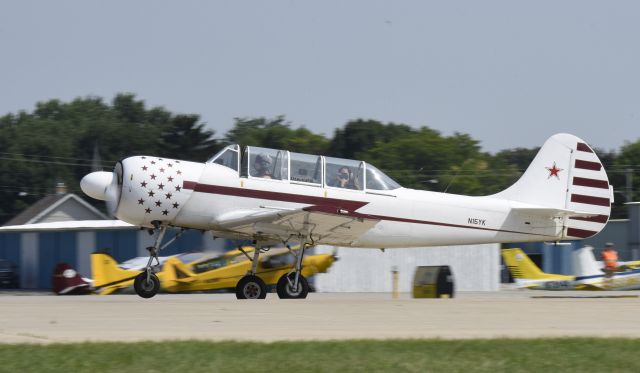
(433, 282)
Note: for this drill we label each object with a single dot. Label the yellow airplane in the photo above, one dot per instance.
(219, 272)
(589, 275)
(527, 274)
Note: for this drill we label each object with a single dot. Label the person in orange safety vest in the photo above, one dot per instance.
(609, 259)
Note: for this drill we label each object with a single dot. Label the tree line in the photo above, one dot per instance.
(59, 142)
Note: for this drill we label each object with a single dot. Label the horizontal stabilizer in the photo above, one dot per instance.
(553, 212)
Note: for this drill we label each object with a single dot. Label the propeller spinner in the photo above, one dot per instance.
(104, 186)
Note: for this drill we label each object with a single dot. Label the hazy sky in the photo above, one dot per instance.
(509, 73)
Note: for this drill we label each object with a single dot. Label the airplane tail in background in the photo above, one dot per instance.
(174, 269)
(566, 180)
(107, 275)
(67, 281)
(584, 262)
(523, 268)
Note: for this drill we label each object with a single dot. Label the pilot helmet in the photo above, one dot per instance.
(262, 160)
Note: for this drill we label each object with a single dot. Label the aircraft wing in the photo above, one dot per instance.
(340, 226)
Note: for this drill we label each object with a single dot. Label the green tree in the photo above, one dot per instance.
(626, 169)
(277, 134)
(57, 141)
(360, 135)
(423, 158)
(183, 135)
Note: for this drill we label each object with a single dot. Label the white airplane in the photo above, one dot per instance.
(276, 196)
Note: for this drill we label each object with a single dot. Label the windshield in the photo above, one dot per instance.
(227, 157)
(377, 180)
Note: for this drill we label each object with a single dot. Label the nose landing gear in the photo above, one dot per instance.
(147, 284)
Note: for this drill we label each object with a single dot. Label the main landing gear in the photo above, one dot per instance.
(292, 285)
(147, 284)
(251, 286)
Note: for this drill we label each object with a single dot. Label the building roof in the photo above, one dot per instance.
(93, 225)
(44, 209)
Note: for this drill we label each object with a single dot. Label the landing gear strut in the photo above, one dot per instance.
(147, 284)
(251, 286)
(293, 285)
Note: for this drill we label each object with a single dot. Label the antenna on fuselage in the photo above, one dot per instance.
(451, 181)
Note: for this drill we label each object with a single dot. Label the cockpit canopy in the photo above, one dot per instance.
(307, 169)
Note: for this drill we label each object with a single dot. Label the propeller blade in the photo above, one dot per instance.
(112, 196)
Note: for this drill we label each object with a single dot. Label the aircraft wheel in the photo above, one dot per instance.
(251, 287)
(146, 288)
(286, 291)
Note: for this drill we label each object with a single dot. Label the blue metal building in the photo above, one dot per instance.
(36, 253)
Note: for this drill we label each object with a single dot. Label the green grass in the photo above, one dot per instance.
(502, 355)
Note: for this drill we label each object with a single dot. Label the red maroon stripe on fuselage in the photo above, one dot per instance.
(595, 219)
(593, 183)
(587, 165)
(274, 196)
(581, 233)
(326, 205)
(590, 200)
(584, 147)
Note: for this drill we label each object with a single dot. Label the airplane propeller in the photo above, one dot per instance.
(104, 186)
(112, 194)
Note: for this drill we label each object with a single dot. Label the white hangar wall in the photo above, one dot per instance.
(474, 267)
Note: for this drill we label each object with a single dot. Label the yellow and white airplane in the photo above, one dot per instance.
(275, 196)
(589, 274)
(201, 272)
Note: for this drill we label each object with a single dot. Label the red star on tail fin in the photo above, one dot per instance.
(554, 171)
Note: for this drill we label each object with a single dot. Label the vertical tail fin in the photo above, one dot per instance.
(67, 280)
(107, 275)
(174, 269)
(522, 267)
(566, 175)
(584, 263)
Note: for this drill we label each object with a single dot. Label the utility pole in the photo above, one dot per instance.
(629, 188)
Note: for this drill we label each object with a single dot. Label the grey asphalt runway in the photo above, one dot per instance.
(512, 313)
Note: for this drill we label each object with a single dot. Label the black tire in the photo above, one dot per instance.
(251, 287)
(144, 288)
(286, 291)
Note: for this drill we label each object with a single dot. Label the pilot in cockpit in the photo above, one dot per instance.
(344, 179)
(262, 165)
